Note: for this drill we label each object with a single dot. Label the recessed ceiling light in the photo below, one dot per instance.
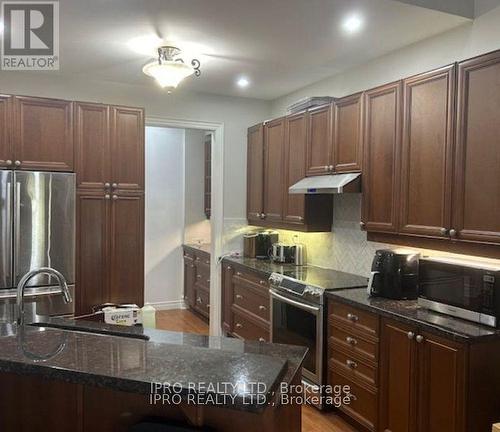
(352, 24)
(243, 82)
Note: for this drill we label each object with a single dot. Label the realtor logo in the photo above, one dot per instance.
(30, 36)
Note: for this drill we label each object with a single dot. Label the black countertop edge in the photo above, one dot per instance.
(203, 247)
(409, 312)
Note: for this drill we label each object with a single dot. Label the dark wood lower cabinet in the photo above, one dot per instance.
(197, 281)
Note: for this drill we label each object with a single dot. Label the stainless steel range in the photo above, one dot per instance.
(298, 315)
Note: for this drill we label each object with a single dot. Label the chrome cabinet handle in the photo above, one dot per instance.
(107, 196)
(262, 282)
(208, 281)
(453, 233)
(8, 162)
(330, 167)
(239, 296)
(229, 268)
(17, 163)
(351, 364)
(262, 215)
(115, 197)
(419, 338)
(114, 185)
(107, 185)
(443, 231)
(325, 167)
(352, 317)
(362, 225)
(239, 325)
(262, 339)
(411, 335)
(238, 273)
(262, 308)
(198, 300)
(198, 276)
(351, 341)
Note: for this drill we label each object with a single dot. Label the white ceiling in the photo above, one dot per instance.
(280, 45)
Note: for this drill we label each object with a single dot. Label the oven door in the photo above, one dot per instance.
(297, 323)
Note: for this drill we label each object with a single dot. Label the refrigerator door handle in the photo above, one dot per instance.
(17, 224)
(10, 279)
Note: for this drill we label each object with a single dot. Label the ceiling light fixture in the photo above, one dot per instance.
(169, 70)
(352, 24)
(243, 82)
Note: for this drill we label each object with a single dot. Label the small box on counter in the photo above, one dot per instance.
(126, 315)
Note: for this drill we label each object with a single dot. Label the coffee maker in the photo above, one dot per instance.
(394, 275)
(258, 244)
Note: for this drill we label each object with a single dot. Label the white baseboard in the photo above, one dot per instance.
(169, 305)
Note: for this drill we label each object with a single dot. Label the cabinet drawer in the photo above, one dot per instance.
(203, 276)
(253, 302)
(202, 302)
(352, 368)
(246, 329)
(202, 258)
(363, 403)
(242, 277)
(354, 319)
(352, 343)
(188, 255)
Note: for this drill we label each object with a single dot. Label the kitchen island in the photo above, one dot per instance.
(74, 375)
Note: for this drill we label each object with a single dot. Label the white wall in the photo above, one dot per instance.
(164, 216)
(197, 226)
(480, 36)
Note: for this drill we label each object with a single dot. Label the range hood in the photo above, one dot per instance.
(328, 184)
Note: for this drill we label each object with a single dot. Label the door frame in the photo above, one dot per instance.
(217, 205)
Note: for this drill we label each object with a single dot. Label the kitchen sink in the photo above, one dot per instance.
(85, 329)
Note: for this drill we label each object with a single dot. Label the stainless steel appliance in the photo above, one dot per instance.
(394, 275)
(37, 228)
(298, 315)
(467, 290)
(258, 244)
(288, 254)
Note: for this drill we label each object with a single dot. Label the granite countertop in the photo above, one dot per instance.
(147, 356)
(410, 312)
(204, 247)
(312, 275)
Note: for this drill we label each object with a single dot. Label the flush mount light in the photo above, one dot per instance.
(169, 70)
(243, 82)
(352, 24)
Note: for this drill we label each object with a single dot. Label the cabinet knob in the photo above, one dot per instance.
(262, 339)
(198, 276)
(351, 341)
(411, 335)
(8, 162)
(107, 185)
(229, 268)
(262, 282)
(17, 163)
(362, 225)
(239, 325)
(351, 364)
(443, 231)
(453, 233)
(198, 300)
(325, 167)
(239, 296)
(352, 317)
(419, 338)
(262, 308)
(238, 273)
(114, 185)
(107, 196)
(262, 215)
(115, 197)
(330, 168)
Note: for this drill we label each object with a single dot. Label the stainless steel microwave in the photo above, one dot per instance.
(465, 290)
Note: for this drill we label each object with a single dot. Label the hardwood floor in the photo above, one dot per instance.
(312, 419)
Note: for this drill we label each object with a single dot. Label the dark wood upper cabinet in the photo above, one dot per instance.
(127, 148)
(255, 173)
(6, 149)
(426, 163)
(43, 135)
(381, 166)
(319, 143)
(348, 134)
(92, 250)
(127, 249)
(92, 147)
(294, 166)
(274, 150)
(476, 205)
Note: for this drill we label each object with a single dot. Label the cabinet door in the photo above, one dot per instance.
(6, 151)
(43, 137)
(227, 296)
(476, 204)
(319, 143)
(397, 377)
(274, 147)
(189, 281)
(426, 167)
(127, 148)
(441, 367)
(92, 250)
(294, 167)
(255, 173)
(381, 167)
(127, 249)
(347, 135)
(93, 158)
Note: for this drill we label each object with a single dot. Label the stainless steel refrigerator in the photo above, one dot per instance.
(37, 228)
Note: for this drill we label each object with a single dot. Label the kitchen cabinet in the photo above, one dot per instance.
(348, 133)
(255, 173)
(197, 281)
(274, 150)
(43, 134)
(427, 152)
(381, 167)
(189, 279)
(476, 204)
(319, 156)
(246, 302)
(422, 381)
(6, 149)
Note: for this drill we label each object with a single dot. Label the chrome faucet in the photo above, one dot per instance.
(27, 277)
